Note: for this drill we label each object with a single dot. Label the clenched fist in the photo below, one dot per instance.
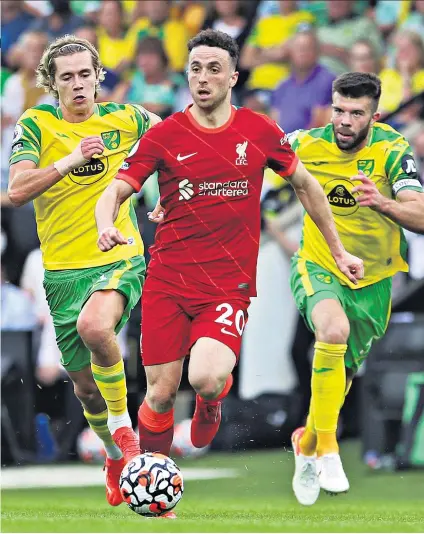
(91, 146)
(109, 238)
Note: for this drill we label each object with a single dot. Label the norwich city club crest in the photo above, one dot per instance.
(366, 166)
(111, 139)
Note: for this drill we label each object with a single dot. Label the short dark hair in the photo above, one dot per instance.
(215, 38)
(357, 85)
(153, 45)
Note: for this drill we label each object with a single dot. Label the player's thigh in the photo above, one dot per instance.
(115, 290)
(216, 335)
(165, 327)
(66, 292)
(320, 299)
(368, 311)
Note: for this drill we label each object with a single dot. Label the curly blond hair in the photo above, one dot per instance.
(66, 46)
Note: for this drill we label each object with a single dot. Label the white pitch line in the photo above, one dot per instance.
(86, 475)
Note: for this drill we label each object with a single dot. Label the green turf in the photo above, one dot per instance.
(260, 500)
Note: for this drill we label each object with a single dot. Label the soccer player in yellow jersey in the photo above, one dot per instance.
(368, 173)
(63, 158)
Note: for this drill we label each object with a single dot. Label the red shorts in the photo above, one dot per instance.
(171, 324)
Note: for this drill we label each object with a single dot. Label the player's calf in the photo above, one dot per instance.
(156, 414)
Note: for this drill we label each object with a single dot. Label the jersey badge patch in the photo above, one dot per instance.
(112, 139)
(366, 166)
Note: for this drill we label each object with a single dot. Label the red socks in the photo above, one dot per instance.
(156, 430)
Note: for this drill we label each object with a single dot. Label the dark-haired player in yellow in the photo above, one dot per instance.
(368, 173)
(63, 158)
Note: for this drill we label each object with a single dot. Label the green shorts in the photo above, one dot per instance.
(68, 290)
(368, 308)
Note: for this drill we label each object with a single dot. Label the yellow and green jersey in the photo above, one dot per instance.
(65, 212)
(387, 159)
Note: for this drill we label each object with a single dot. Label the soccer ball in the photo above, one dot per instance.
(182, 447)
(151, 484)
(90, 447)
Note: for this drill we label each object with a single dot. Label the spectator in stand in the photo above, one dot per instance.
(17, 310)
(14, 21)
(342, 31)
(115, 45)
(256, 100)
(401, 83)
(192, 13)
(229, 17)
(157, 22)
(59, 22)
(388, 14)
(48, 368)
(152, 85)
(364, 58)
(303, 101)
(415, 20)
(266, 50)
(21, 92)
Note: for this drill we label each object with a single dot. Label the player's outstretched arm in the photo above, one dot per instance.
(106, 212)
(27, 182)
(313, 198)
(407, 210)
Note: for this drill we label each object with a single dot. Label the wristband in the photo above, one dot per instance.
(70, 162)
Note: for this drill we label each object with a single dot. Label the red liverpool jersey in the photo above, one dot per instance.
(210, 184)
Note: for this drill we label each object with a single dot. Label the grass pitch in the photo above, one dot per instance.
(260, 499)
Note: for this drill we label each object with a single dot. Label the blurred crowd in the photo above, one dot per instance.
(291, 51)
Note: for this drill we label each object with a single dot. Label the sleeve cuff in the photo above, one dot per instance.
(131, 181)
(22, 157)
(291, 169)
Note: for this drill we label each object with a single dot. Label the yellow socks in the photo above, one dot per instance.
(98, 423)
(328, 390)
(308, 442)
(113, 388)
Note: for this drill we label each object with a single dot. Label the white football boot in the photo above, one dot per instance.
(332, 478)
(305, 480)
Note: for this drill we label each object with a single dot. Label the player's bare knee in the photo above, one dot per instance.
(161, 400)
(207, 386)
(334, 333)
(93, 332)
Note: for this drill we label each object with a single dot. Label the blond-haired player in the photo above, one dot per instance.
(63, 158)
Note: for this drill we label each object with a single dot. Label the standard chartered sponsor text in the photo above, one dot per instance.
(235, 188)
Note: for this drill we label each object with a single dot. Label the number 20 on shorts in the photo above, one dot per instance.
(226, 318)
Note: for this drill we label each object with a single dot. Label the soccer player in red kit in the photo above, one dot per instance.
(210, 159)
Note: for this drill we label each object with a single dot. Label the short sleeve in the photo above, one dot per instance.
(26, 144)
(401, 168)
(142, 161)
(142, 119)
(280, 155)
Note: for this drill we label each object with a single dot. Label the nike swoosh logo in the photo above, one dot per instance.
(225, 331)
(182, 158)
(319, 162)
(323, 369)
